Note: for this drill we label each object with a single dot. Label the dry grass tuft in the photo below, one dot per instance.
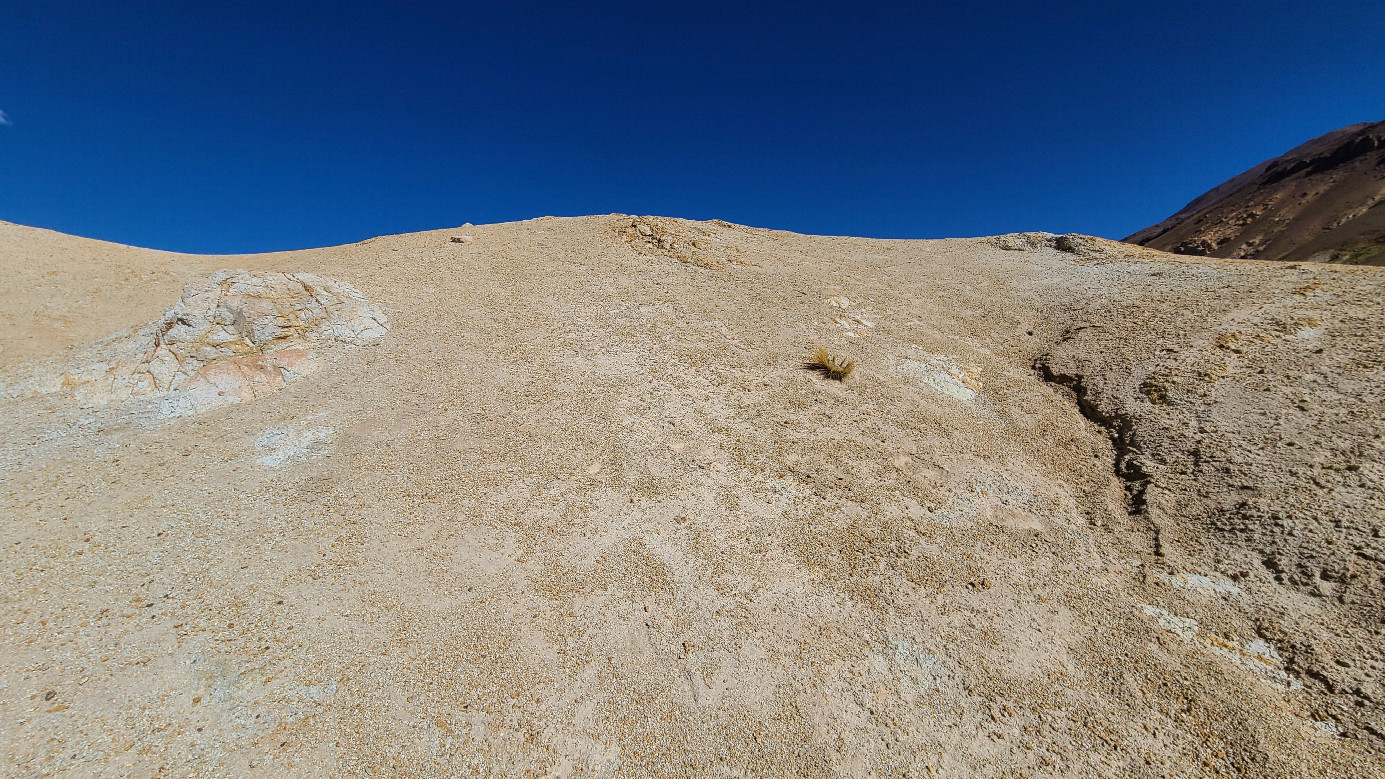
(831, 365)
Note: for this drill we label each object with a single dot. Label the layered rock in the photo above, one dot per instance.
(232, 336)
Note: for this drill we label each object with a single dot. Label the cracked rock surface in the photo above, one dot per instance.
(233, 335)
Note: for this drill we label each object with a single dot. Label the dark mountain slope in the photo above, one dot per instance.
(1322, 201)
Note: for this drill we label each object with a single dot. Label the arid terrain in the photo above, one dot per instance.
(563, 498)
(1323, 201)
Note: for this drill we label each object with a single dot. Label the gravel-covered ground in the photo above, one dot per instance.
(564, 498)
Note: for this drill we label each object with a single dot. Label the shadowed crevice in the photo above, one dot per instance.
(1129, 467)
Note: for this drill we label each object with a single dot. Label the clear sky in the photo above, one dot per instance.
(252, 126)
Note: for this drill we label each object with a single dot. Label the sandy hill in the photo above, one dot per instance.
(562, 498)
(1323, 201)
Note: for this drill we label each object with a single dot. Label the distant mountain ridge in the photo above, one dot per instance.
(1322, 201)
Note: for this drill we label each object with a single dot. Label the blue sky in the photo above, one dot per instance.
(254, 126)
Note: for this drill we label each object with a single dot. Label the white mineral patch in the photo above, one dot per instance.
(1257, 656)
(914, 668)
(995, 498)
(284, 444)
(839, 302)
(943, 375)
(1204, 584)
(1184, 627)
(851, 320)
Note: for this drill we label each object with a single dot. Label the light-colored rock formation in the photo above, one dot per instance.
(233, 336)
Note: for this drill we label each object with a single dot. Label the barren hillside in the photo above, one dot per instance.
(563, 498)
(1322, 201)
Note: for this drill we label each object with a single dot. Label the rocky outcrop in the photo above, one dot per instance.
(233, 336)
(1085, 246)
(1247, 440)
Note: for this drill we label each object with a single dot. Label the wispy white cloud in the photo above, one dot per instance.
(4, 119)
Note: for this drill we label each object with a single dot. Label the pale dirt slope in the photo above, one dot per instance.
(582, 511)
